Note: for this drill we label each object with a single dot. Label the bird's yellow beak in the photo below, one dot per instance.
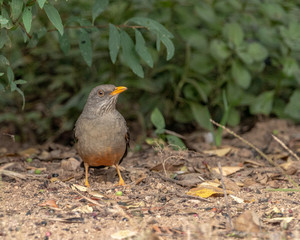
(118, 90)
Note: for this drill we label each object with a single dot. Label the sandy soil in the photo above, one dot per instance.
(51, 202)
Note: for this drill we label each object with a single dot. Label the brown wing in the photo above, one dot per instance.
(127, 139)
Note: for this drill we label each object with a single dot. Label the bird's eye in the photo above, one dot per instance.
(100, 93)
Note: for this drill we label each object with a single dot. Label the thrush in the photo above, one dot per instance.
(101, 132)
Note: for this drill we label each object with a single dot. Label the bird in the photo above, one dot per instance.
(101, 133)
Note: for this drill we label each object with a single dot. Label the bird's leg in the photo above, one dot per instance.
(86, 166)
(121, 181)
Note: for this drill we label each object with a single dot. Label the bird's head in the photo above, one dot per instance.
(103, 99)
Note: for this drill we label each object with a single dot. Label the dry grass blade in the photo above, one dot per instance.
(117, 207)
(7, 165)
(286, 147)
(225, 195)
(11, 173)
(257, 150)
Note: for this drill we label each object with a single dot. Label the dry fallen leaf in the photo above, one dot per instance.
(123, 234)
(96, 194)
(278, 219)
(79, 187)
(205, 192)
(247, 222)
(50, 203)
(29, 152)
(237, 199)
(83, 209)
(218, 152)
(227, 170)
(291, 167)
(255, 163)
(215, 183)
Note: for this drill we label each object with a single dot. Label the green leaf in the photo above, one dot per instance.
(161, 32)
(54, 17)
(3, 20)
(98, 7)
(291, 35)
(141, 48)
(1, 74)
(290, 66)
(201, 115)
(257, 52)
(20, 81)
(152, 26)
(10, 75)
(176, 142)
(206, 13)
(293, 107)
(23, 97)
(240, 74)
(199, 88)
(245, 56)
(16, 8)
(5, 16)
(41, 3)
(158, 42)
(219, 50)
(85, 46)
(263, 103)
(233, 33)
(130, 55)
(157, 119)
(3, 61)
(64, 43)
(113, 42)
(27, 18)
(2, 88)
(273, 10)
(169, 46)
(234, 117)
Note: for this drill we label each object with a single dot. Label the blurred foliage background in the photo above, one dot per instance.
(233, 59)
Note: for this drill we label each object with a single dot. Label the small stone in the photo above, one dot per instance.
(245, 153)
(45, 156)
(71, 164)
(56, 154)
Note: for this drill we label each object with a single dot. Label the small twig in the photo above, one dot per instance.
(138, 181)
(13, 174)
(7, 165)
(174, 134)
(23, 28)
(259, 151)
(164, 162)
(192, 197)
(67, 220)
(245, 141)
(89, 199)
(225, 195)
(97, 26)
(119, 209)
(286, 147)
(10, 135)
(173, 180)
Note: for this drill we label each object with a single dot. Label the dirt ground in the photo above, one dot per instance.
(169, 194)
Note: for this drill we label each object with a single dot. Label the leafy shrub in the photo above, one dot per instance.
(233, 58)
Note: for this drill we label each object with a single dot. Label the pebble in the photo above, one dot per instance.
(70, 164)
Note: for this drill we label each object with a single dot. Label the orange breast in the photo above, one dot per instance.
(105, 158)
